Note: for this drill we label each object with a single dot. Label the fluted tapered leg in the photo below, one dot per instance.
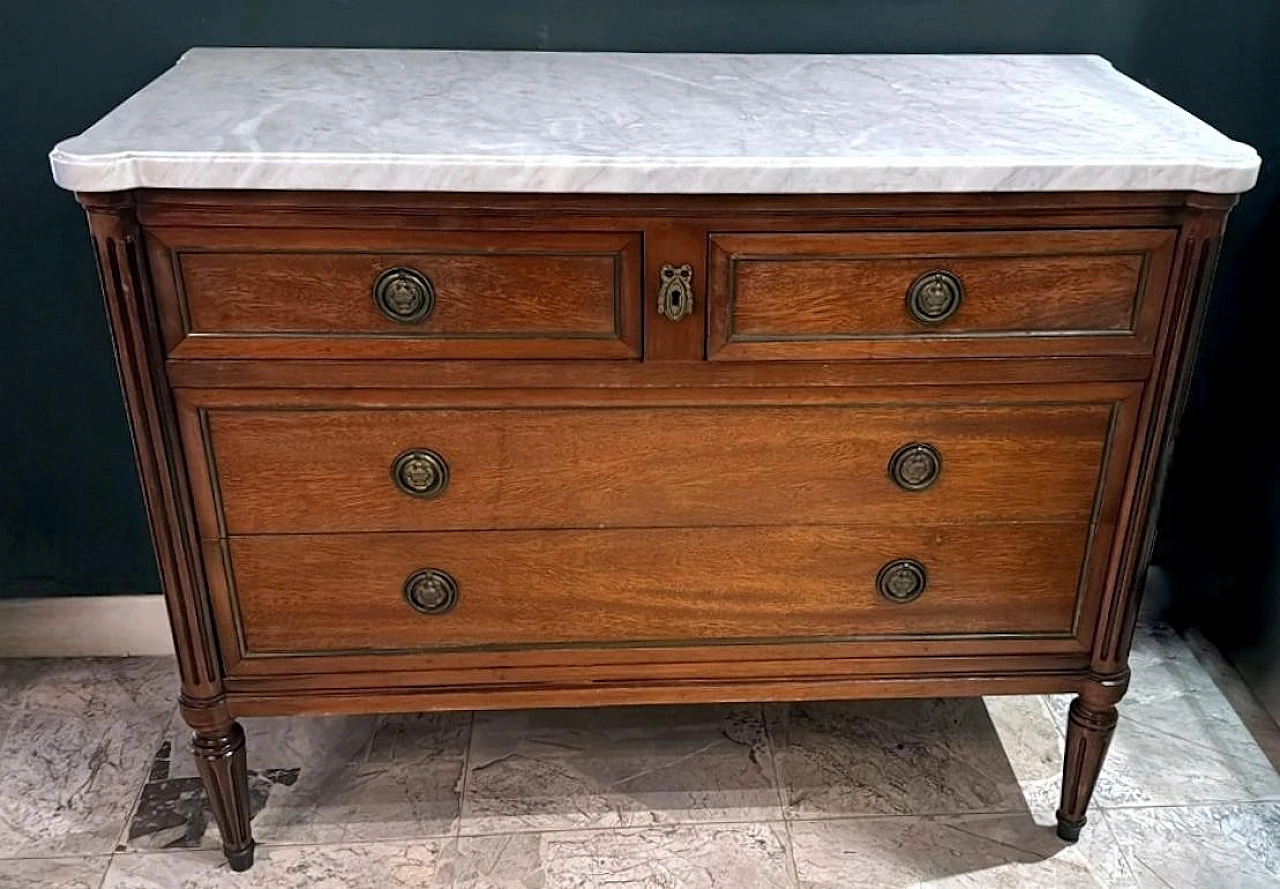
(1090, 725)
(220, 758)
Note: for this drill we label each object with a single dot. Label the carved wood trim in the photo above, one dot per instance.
(139, 352)
(1163, 403)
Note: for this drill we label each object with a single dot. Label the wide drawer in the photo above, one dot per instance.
(329, 594)
(278, 293)
(321, 469)
(936, 294)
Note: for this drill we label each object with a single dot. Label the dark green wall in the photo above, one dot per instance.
(70, 513)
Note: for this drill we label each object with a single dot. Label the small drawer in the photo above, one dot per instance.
(326, 469)
(936, 294)
(318, 293)
(404, 593)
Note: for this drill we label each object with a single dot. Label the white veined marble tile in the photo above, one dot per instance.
(729, 856)
(955, 852)
(1202, 847)
(618, 767)
(78, 745)
(915, 757)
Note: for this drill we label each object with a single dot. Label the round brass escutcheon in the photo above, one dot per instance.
(915, 466)
(902, 580)
(431, 591)
(404, 295)
(934, 297)
(420, 473)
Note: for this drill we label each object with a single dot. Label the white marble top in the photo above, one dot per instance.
(428, 120)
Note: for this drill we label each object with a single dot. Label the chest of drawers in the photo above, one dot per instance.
(413, 449)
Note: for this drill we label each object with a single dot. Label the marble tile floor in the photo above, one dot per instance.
(98, 791)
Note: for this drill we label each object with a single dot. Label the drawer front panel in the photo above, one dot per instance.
(326, 470)
(332, 594)
(833, 296)
(423, 295)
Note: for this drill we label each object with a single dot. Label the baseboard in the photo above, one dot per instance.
(84, 626)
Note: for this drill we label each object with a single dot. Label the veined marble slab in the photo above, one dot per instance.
(428, 120)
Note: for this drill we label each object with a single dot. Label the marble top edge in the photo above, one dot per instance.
(445, 120)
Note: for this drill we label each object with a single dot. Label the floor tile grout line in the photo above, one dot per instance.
(106, 871)
(1114, 840)
(1198, 745)
(624, 829)
(1058, 724)
(273, 844)
(793, 870)
(466, 774)
(872, 816)
(902, 816)
(773, 761)
(616, 828)
(122, 836)
(1198, 804)
(66, 857)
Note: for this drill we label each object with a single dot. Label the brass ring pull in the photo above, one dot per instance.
(404, 295)
(902, 580)
(915, 466)
(675, 294)
(934, 297)
(431, 591)
(420, 473)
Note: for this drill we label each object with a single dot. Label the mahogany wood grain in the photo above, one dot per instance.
(685, 658)
(306, 593)
(607, 666)
(292, 294)
(842, 296)
(292, 471)
(508, 694)
(315, 398)
(705, 375)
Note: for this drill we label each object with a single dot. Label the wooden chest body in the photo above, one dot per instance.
(829, 479)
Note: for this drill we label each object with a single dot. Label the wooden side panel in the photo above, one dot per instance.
(1161, 411)
(824, 296)
(316, 470)
(1153, 350)
(136, 337)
